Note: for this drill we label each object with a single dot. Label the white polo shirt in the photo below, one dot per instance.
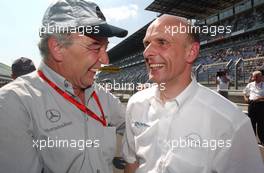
(254, 90)
(197, 132)
(32, 111)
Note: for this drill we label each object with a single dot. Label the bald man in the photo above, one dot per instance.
(179, 125)
(254, 96)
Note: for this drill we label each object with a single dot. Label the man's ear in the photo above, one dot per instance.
(13, 76)
(193, 52)
(55, 49)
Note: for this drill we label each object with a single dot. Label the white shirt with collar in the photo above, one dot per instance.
(26, 106)
(183, 134)
(254, 90)
(222, 84)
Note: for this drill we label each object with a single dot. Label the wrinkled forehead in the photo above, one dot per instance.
(171, 27)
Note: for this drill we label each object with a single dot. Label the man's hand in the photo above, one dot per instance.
(131, 167)
(246, 98)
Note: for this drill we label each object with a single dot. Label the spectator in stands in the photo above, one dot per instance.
(254, 96)
(22, 66)
(57, 119)
(222, 81)
(157, 120)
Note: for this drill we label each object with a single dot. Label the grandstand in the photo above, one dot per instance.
(240, 51)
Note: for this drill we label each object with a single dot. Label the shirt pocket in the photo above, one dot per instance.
(108, 144)
(176, 164)
(146, 135)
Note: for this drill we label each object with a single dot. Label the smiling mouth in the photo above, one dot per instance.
(156, 66)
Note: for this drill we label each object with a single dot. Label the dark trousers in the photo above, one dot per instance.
(256, 115)
(223, 93)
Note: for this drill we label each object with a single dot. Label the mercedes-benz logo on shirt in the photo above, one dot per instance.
(53, 115)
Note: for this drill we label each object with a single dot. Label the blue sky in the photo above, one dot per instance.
(20, 21)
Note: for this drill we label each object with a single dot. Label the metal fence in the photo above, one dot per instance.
(239, 71)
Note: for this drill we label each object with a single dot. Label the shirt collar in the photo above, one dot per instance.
(59, 80)
(187, 93)
(180, 100)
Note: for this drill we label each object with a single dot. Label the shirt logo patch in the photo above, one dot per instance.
(64, 124)
(140, 124)
(53, 115)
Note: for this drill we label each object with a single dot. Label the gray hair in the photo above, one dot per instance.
(63, 39)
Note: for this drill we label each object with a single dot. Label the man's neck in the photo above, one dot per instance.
(55, 66)
(79, 92)
(173, 89)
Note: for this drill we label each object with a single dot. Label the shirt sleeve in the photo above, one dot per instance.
(129, 153)
(17, 154)
(243, 156)
(246, 91)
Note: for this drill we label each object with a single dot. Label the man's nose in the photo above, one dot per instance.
(103, 57)
(150, 51)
